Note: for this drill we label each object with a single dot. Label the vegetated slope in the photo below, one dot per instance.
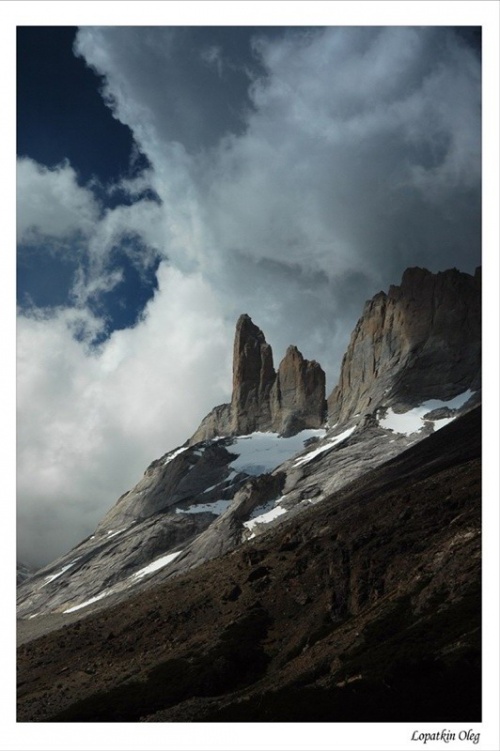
(364, 608)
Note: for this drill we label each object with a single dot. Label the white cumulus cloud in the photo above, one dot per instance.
(50, 202)
(90, 421)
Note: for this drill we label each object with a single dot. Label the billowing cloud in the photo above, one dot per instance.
(359, 155)
(55, 214)
(346, 155)
(89, 422)
(50, 202)
(356, 155)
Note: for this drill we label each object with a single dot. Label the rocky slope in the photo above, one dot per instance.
(23, 572)
(364, 608)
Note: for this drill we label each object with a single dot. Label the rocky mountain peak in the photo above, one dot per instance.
(299, 393)
(246, 329)
(421, 340)
(285, 402)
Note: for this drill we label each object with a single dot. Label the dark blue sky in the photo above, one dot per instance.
(60, 113)
(61, 116)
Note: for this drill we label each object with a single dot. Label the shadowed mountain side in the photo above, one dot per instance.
(366, 608)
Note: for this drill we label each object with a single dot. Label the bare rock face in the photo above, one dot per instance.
(23, 572)
(216, 423)
(298, 398)
(419, 341)
(253, 379)
(285, 402)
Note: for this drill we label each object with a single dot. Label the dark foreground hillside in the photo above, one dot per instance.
(365, 608)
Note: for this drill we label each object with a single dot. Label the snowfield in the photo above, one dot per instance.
(413, 420)
(262, 452)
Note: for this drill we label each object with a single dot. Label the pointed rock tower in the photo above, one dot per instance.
(253, 379)
(298, 397)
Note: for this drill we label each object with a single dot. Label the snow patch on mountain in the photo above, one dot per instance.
(213, 507)
(172, 454)
(413, 421)
(156, 565)
(88, 602)
(264, 514)
(262, 452)
(65, 568)
(266, 517)
(112, 533)
(326, 447)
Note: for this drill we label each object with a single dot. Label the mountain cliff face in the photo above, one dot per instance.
(270, 501)
(285, 402)
(421, 340)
